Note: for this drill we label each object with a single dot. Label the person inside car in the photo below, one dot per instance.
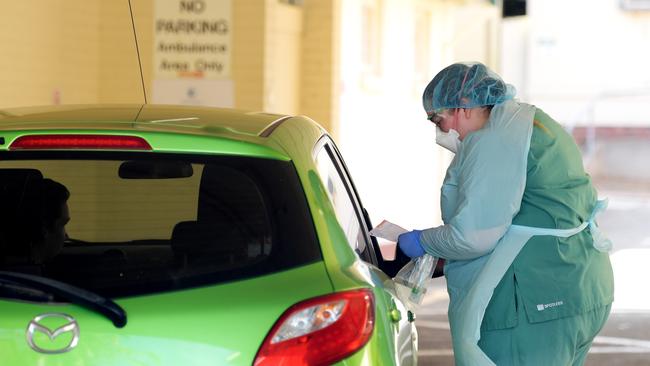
(33, 229)
(51, 216)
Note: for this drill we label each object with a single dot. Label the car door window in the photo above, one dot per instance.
(340, 193)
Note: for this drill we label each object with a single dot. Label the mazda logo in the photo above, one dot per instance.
(69, 326)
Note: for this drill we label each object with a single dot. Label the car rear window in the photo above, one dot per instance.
(144, 222)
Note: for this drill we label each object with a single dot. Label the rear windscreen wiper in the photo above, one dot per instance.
(71, 293)
(22, 292)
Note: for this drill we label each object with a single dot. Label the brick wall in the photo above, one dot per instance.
(49, 52)
(83, 51)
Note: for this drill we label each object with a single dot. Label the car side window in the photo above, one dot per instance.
(331, 175)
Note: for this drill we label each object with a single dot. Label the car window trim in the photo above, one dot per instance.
(356, 200)
(332, 151)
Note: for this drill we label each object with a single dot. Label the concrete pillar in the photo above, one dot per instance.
(320, 62)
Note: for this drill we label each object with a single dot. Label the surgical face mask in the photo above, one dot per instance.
(449, 140)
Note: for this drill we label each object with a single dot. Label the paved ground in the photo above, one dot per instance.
(625, 340)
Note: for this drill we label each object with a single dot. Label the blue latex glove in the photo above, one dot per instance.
(409, 243)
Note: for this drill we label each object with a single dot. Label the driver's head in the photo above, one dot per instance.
(51, 214)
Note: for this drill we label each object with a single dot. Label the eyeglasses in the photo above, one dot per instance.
(435, 117)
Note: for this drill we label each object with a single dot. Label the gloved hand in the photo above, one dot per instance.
(409, 243)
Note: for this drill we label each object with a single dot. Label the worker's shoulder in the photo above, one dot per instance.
(541, 115)
(545, 127)
(549, 137)
(542, 119)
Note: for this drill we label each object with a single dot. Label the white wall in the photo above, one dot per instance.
(514, 53)
(582, 60)
(388, 144)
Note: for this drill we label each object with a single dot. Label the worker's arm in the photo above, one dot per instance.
(491, 181)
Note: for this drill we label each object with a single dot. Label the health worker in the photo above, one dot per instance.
(527, 268)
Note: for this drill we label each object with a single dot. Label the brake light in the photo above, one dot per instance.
(39, 142)
(320, 331)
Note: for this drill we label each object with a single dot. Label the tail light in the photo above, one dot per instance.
(39, 142)
(320, 331)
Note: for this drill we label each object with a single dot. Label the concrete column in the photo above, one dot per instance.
(320, 62)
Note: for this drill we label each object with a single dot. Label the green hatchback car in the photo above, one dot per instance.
(168, 235)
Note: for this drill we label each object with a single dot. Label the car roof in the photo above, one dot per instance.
(230, 123)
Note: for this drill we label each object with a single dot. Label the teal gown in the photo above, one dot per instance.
(520, 236)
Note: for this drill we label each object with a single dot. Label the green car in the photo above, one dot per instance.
(168, 235)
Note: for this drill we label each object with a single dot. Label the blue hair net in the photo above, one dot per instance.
(466, 85)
